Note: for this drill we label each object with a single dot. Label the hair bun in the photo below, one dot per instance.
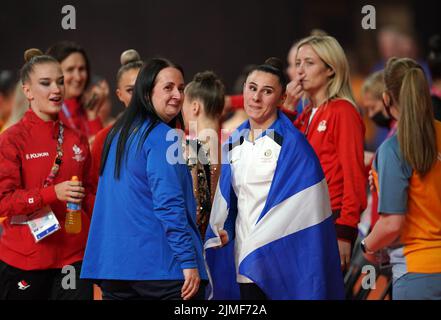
(129, 56)
(30, 53)
(274, 62)
(206, 77)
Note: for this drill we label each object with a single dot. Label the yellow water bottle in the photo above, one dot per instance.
(73, 215)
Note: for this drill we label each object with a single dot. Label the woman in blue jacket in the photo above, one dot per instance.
(143, 241)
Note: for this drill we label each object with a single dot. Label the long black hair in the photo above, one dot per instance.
(139, 109)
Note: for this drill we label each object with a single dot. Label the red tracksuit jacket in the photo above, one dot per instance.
(75, 117)
(336, 133)
(27, 153)
(96, 153)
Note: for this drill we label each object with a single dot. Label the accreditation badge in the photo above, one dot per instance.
(43, 223)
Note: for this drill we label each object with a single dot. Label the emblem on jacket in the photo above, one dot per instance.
(78, 153)
(322, 126)
(23, 285)
(268, 153)
(267, 157)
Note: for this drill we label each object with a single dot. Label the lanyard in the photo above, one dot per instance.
(57, 162)
(71, 122)
(68, 116)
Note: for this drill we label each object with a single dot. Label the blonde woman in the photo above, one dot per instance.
(38, 156)
(407, 172)
(372, 91)
(334, 128)
(131, 63)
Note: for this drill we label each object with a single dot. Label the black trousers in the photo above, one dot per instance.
(50, 284)
(147, 290)
(250, 291)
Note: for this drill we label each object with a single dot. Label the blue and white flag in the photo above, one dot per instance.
(292, 252)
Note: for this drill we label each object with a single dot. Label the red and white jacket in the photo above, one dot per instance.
(27, 153)
(336, 133)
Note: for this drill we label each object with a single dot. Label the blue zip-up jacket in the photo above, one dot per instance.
(144, 224)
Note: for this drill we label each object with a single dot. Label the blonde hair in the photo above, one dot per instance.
(130, 59)
(374, 84)
(332, 54)
(408, 87)
(32, 58)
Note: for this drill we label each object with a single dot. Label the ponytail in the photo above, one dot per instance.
(416, 130)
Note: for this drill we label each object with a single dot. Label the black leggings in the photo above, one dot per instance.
(147, 290)
(50, 284)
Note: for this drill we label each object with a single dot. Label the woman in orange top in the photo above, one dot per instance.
(407, 170)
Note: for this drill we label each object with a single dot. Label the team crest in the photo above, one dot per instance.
(77, 153)
(322, 126)
(23, 285)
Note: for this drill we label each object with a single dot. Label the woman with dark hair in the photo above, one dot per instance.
(38, 157)
(80, 108)
(271, 213)
(144, 242)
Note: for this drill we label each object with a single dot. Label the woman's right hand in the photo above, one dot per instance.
(294, 92)
(191, 283)
(224, 238)
(70, 191)
(93, 99)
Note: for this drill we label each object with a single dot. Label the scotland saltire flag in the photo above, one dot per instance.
(292, 252)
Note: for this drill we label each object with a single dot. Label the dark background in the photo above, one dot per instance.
(219, 35)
